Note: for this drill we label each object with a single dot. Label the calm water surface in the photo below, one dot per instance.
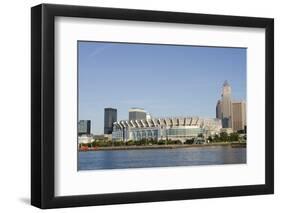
(121, 159)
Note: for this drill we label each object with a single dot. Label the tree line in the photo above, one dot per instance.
(222, 137)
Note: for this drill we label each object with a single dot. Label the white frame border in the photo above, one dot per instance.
(70, 182)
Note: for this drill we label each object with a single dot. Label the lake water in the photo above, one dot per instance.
(145, 158)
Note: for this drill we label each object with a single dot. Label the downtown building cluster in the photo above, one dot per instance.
(84, 127)
(230, 117)
(231, 113)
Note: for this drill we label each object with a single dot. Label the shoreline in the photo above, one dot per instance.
(169, 146)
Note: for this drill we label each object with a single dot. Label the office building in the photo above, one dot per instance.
(110, 116)
(84, 127)
(226, 106)
(239, 115)
(137, 114)
(218, 110)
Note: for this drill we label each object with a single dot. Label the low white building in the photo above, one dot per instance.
(85, 139)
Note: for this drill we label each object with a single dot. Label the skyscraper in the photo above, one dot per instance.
(226, 106)
(110, 116)
(239, 115)
(218, 110)
(137, 114)
(84, 127)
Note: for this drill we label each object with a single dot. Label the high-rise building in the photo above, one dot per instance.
(226, 106)
(238, 115)
(137, 114)
(110, 116)
(218, 110)
(84, 127)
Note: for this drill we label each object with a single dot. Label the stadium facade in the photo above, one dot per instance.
(177, 128)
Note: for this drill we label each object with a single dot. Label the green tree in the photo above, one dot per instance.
(200, 135)
(130, 143)
(216, 138)
(224, 136)
(241, 131)
(189, 141)
(234, 136)
(161, 142)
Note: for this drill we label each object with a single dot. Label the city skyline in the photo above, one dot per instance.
(165, 80)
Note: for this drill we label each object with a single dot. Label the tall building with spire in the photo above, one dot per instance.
(226, 106)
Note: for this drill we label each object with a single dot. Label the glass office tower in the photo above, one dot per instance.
(110, 116)
(84, 127)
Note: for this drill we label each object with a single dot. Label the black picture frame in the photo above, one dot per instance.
(43, 105)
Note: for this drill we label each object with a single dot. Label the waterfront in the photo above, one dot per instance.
(145, 158)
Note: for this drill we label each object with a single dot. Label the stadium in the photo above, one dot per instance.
(177, 128)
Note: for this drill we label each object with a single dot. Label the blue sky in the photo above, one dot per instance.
(165, 80)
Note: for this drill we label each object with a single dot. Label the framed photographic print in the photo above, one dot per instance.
(139, 106)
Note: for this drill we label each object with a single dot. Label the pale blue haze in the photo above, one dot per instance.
(165, 80)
